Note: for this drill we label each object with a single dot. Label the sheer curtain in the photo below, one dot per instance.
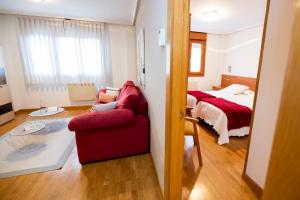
(57, 52)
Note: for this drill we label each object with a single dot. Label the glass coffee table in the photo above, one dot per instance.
(46, 112)
(37, 124)
(20, 138)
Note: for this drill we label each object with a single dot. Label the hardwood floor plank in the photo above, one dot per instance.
(220, 177)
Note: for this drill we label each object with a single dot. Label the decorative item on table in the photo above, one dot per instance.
(29, 127)
(52, 109)
(49, 109)
(21, 136)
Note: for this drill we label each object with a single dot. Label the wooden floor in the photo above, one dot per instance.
(220, 177)
(126, 178)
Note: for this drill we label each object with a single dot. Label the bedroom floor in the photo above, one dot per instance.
(220, 177)
(114, 179)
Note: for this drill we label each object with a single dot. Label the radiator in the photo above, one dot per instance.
(82, 92)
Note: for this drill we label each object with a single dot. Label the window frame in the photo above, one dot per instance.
(200, 38)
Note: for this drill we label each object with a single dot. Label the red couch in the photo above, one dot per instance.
(115, 133)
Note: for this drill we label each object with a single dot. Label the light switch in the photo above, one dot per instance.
(162, 37)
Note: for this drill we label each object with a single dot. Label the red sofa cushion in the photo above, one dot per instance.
(127, 83)
(98, 120)
(129, 97)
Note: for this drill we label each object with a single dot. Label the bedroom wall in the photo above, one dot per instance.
(123, 52)
(152, 16)
(240, 50)
(270, 88)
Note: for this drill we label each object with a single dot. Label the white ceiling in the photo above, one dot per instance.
(234, 15)
(113, 11)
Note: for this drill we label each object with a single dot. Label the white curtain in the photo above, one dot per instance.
(57, 52)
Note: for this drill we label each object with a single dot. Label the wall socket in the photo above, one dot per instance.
(229, 68)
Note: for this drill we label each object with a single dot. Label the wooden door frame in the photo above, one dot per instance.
(177, 51)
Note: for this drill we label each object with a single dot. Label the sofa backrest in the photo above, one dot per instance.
(142, 105)
(131, 97)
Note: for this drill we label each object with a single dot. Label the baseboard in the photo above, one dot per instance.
(161, 192)
(78, 107)
(25, 110)
(256, 189)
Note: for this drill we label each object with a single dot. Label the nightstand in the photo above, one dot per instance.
(217, 87)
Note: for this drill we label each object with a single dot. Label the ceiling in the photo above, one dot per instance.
(234, 15)
(112, 11)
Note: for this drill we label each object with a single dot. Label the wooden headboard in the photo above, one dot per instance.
(228, 80)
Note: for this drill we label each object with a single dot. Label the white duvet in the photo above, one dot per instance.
(216, 117)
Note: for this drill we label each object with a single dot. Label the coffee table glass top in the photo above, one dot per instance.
(45, 112)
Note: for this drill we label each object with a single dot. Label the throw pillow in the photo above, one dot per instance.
(106, 98)
(112, 92)
(104, 107)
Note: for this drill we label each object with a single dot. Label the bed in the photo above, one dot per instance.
(216, 116)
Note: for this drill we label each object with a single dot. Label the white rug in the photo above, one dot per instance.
(45, 150)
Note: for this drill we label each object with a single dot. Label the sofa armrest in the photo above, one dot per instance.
(98, 120)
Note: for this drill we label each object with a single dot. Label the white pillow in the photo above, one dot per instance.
(104, 107)
(112, 91)
(235, 89)
(111, 88)
(248, 92)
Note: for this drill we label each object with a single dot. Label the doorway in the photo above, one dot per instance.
(176, 112)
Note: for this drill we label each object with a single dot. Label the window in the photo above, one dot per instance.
(58, 52)
(197, 53)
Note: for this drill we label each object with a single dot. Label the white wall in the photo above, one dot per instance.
(240, 50)
(122, 39)
(123, 48)
(270, 88)
(152, 16)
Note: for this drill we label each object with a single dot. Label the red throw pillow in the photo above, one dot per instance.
(105, 98)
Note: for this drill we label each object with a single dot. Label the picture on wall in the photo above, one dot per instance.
(141, 58)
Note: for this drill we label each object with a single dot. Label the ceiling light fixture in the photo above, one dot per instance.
(210, 15)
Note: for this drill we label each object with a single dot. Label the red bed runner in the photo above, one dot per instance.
(200, 95)
(238, 116)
